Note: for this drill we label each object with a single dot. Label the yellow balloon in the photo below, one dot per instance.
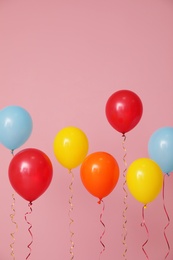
(144, 180)
(70, 147)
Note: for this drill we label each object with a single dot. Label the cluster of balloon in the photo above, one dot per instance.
(15, 126)
(30, 170)
(70, 147)
(99, 174)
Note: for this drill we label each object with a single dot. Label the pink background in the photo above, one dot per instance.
(61, 60)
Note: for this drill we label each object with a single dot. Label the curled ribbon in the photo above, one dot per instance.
(143, 224)
(168, 223)
(12, 216)
(69, 214)
(29, 229)
(101, 221)
(125, 198)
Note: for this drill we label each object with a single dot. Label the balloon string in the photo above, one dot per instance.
(29, 229)
(12, 216)
(143, 224)
(125, 198)
(69, 214)
(101, 221)
(164, 206)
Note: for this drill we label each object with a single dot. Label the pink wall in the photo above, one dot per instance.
(61, 60)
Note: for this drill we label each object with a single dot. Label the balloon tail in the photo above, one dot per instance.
(168, 223)
(101, 221)
(69, 214)
(143, 224)
(12, 216)
(125, 198)
(29, 229)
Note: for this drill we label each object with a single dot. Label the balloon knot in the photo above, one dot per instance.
(99, 202)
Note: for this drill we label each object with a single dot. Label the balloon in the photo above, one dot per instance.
(15, 126)
(70, 147)
(99, 174)
(144, 179)
(30, 173)
(124, 110)
(160, 148)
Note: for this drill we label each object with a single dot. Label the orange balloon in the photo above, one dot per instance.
(99, 173)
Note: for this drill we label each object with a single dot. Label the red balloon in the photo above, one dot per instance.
(124, 110)
(30, 173)
(99, 174)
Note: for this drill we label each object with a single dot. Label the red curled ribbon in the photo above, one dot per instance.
(168, 223)
(101, 221)
(29, 229)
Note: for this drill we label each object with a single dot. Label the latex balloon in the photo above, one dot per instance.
(30, 173)
(160, 148)
(15, 126)
(99, 174)
(144, 180)
(124, 110)
(70, 147)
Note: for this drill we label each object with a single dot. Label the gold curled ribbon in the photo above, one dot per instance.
(69, 214)
(101, 221)
(29, 229)
(143, 224)
(125, 198)
(168, 223)
(12, 216)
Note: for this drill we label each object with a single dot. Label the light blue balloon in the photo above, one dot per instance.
(15, 126)
(160, 148)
